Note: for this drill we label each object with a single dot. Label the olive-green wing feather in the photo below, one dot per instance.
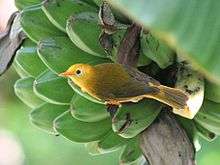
(134, 88)
(139, 76)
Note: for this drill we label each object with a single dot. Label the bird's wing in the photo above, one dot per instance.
(139, 84)
(139, 76)
(133, 88)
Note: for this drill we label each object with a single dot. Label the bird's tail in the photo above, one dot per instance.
(173, 97)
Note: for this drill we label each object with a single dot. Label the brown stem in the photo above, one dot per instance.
(166, 143)
(128, 51)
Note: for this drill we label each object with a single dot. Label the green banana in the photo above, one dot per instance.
(36, 25)
(87, 39)
(131, 154)
(20, 71)
(18, 68)
(109, 143)
(53, 89)
(24, 90)
(192, 83)
(44, 115)
(133, 118)
(209, 116)
(157, 51)
(58, 11)
(143, 60)
(205, 133)
(79, 131)
(194, 130)
(86, 110)
(28, 61)
(59, 53)
(21, 4)
(212, 91)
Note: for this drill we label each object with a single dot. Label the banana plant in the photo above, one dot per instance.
(65, 32)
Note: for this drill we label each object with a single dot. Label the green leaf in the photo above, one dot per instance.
(59, 53)
(24, 91)
(157, 51)
(58, 11)
(21, 4)
(133, 118)
(212, 91)
(36, 25)
(190, 27)
(86, 110)
(132, 153)
(53, 89)
(27, 59)
(79, 131)
(44, 115)
(87, 38)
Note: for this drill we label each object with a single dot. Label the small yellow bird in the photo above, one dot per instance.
(115, 84)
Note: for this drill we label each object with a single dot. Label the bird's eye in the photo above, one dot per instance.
(78, 72)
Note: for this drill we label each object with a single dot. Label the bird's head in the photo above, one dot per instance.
(79, 73)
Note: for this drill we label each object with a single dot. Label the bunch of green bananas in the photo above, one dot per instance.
(64, 32)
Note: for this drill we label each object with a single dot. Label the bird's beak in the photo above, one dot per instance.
(65, 74)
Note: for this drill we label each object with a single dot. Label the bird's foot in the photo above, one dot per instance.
(112, 109)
